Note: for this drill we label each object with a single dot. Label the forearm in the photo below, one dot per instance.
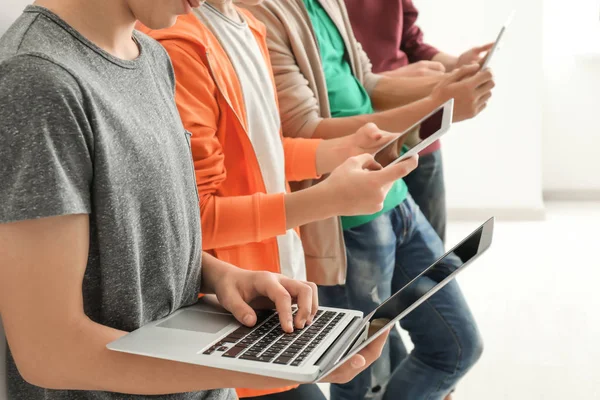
(447, 60)
(309, 205)
(237, 220)
(392, 92)
(396, 120)
(84, 363)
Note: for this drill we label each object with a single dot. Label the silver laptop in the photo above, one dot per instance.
(206, 334)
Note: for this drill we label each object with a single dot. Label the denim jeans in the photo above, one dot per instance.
(426, 186)
(383, 256)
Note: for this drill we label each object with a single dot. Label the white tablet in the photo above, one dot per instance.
(496, 46)
(437, 123)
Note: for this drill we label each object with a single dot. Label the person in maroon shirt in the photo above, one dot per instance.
(388, 33)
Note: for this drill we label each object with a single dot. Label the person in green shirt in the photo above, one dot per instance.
(347, 97)
(387, 249)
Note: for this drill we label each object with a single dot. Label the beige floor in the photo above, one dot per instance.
(537, 299)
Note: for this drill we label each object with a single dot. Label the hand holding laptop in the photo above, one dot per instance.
(339, 344)
(359, 362)
(241, 292)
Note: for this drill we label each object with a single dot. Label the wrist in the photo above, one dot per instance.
(448, 61)
(332, 153)
(215, 273)
(326, 199)
(451, 63)
(437, 98)
(308, 205)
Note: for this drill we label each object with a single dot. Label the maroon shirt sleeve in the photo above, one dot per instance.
(412, 36)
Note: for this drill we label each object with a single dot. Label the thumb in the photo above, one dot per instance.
(365, 161)
(483, 48)
(394, 172)
(234, 303)
(461, 73)
(436, 66)
(370, 130)
(386, 137)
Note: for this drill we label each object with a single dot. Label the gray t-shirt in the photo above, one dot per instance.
(82, 132)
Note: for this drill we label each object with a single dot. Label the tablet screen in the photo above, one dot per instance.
(412, 138)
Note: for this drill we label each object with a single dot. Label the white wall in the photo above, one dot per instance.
(493, 163)
(10, 10)
(572, 96)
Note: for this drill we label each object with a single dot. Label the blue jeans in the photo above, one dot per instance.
(426, 186)
(383, 256)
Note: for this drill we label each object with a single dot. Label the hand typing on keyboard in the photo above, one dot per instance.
(265, 290)
(275, 339)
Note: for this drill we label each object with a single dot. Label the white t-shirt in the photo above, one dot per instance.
(262, 118)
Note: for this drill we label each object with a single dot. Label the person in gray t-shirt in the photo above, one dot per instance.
(99, 218)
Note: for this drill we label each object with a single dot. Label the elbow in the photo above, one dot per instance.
(43, 374)
(39, 379)
(45, 369)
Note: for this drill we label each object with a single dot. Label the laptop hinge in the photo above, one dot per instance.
(342, 344)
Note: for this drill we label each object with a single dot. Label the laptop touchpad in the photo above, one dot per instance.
(198, 321)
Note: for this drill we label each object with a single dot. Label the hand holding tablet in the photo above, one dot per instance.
(496, 47)
(439, 121)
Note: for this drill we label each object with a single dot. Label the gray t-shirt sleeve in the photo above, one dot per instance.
(45, 141)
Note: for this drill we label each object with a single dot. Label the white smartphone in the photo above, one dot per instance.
(496, 47)
(438, 122)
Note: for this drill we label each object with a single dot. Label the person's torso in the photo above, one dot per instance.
(145, 241)
(347, 96)
(262, 119)
(383, 45)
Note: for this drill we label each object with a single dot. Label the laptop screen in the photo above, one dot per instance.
(446, 266)
(418, 290)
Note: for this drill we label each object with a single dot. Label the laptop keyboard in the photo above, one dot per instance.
(267, 342)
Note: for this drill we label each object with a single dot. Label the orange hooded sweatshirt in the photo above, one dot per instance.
(240, 221)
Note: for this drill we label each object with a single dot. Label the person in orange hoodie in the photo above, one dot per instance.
(227, 100)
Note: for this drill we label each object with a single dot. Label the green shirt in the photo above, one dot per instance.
(347, 96)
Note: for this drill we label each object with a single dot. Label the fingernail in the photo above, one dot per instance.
(302, 323)
(290, 325)
(248, 319)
